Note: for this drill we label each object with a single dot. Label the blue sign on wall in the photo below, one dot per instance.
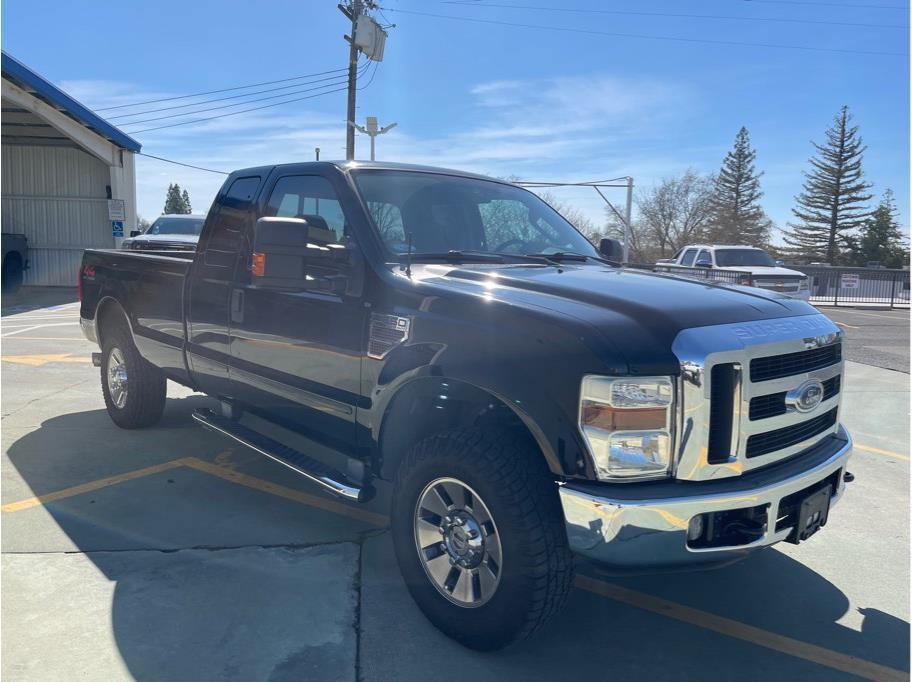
(117, 228)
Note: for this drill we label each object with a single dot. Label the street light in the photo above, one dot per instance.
(372, 130)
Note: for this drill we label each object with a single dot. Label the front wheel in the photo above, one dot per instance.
(134, 391)
(479, 536)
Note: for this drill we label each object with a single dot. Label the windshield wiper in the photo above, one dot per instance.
(561, 256)
(459, 256)
(453, 256)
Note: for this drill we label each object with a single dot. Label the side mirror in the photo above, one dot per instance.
(703, 263)
(612, 250)
(135, 233)
(296, 254)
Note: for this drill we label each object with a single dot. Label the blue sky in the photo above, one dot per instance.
(504, 100)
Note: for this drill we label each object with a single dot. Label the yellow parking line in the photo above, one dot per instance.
(30, 502)
(703, 619)
(849, 326)
(738, 630)
(887, 453)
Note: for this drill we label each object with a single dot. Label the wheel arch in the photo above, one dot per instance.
(107, 313)
(429, 405)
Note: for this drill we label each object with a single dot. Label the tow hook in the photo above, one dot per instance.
(96, 359)
(848, 477)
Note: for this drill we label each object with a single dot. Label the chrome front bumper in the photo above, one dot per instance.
(645, 525)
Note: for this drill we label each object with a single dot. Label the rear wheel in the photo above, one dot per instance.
(479, 536)
(134, 391)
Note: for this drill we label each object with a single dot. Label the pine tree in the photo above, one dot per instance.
(176, 201)
(735, 213)
(882, 239)
(833, 202)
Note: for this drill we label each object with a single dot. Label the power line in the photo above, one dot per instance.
(463, 3)
(222, 99)
(213, 92)
(236, 104)
(235, 113)
(706, 41)
(827, 4)
(371, 79)
(180, 163)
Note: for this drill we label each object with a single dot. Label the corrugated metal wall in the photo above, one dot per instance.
(57, 196)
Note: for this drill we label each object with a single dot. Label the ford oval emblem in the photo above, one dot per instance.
(806, 397)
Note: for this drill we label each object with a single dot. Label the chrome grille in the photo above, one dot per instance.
(773, 404)
(767, 360)
(764, 443)
(775, 366)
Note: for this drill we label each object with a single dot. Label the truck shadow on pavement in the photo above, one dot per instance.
(213, 580)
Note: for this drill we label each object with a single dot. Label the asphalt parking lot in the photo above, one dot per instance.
(170, 554)
(874, 336)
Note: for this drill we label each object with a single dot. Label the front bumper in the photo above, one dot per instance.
(645, 525)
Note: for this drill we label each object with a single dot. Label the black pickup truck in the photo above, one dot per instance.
(520, 397)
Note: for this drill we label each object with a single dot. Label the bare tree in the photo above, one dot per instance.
(670, 215)
(574, 216)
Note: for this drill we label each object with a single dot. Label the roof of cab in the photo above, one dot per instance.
(347, 166)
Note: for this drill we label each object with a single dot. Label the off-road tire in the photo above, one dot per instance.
(508, 472)
(146, 385)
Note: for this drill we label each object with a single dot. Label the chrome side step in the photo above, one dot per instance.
(324, 476)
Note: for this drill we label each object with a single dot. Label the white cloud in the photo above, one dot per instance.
(562, 129)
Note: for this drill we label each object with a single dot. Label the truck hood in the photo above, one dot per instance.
(637, 313)
(766, 270)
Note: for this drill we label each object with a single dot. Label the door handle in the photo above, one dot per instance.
(237, 305)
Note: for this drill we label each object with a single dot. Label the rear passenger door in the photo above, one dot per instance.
(210, 284)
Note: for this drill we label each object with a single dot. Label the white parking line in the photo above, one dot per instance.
(21, 329)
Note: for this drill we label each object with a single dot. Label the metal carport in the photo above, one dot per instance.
(62, 164)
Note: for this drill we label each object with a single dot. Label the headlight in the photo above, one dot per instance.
(627, 425)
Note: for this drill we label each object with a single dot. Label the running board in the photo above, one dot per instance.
(324, 476)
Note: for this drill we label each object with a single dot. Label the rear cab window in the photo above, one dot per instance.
(223, 243)
(688, 257)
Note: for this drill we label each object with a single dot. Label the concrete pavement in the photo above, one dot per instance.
(168, 554)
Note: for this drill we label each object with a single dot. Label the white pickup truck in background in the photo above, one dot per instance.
(746, 265)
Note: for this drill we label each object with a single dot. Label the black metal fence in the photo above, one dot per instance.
(857, 286)
(729, 276)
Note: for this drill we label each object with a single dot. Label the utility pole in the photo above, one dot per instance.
(369, 37)
(372, 130)
(354, 11)
(627, 228)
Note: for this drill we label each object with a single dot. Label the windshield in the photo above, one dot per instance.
(177, 226)
(727, 258)
(445, 213)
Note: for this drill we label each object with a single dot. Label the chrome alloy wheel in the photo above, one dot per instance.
(457, 542)
(117, 377)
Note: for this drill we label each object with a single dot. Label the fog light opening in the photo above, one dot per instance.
(695, 528)
(730, 528)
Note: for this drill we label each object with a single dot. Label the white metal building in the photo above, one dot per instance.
(61, 164)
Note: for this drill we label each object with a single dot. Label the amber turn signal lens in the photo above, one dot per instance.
(609, 418)
(258, 264)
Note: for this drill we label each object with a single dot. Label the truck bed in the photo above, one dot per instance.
(149, 286)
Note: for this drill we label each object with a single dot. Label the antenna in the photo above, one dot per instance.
(408, 257)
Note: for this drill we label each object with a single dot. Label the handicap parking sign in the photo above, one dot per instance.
(117, 228)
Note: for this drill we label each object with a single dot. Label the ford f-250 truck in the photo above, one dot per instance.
(519, 396)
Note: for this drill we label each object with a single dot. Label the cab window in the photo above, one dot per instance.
(688, 257)
(309, 197)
